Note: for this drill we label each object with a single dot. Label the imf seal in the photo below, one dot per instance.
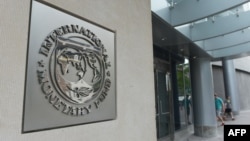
(73, 70)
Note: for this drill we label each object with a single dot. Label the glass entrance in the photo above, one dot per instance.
(163, 97)
(184, 94)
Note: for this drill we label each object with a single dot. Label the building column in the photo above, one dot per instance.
(231, 87)
(205, 123)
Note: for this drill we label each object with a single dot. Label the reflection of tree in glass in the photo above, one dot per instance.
(183, 78)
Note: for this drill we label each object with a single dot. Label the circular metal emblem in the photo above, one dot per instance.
(74, 74)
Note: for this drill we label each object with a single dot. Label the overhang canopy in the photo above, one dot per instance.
(168, 38)
(219, 28)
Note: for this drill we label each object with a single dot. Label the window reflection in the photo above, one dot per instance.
(184, 93)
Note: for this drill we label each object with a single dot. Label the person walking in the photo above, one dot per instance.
(219, 107)
(228, 110)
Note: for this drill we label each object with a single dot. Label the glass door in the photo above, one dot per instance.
(163, 97)
(184, 93)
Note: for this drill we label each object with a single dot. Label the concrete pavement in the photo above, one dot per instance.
(242, 118)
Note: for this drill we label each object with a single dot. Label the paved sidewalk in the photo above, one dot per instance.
(242, 118)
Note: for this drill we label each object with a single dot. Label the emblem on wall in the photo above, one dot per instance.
(70, 72)
(75, 70)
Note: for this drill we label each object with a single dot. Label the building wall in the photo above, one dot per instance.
(242, 63)
(218, 81)
(131, 19)
(239, 63)
(243, 81)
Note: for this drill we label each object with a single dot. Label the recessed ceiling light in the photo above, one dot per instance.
(164, 38)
